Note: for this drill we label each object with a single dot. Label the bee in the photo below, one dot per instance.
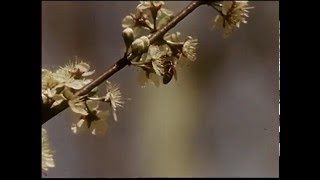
(169, 72)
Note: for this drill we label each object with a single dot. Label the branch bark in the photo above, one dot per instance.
(48, 113)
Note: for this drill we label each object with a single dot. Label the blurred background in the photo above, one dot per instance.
(220, 119)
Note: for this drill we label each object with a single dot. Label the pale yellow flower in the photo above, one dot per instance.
(155, 70)
(138, 22)
(163, 17)
(156, 52)
(48, 80)
(232, 14)
(78, 106)
(114, 96)
(96, 126)
(94, 121)
(189, 48)
(47, 153)
(149, 4)
(76, 70)
(49, 87)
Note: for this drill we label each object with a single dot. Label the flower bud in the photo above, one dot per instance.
(128, 21)
(127, 35)
(140, 45)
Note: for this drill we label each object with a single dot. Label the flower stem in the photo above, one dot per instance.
(48, 113)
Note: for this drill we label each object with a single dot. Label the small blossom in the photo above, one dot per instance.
(144, 5)
(97, 126)
(59, 86)
(48, 80)
(78, 106)
(189, 48)
(47, 153)
(155, 6)
(79, 69)
(162, 61)
(165, 12)
(95, 120)
(174, 37)
(62, 75)
(154, 66)
(156, 52)
(163, 17)
(139, 23)
(76, 70)
(159, 56)
(56, 85)
(52, 92)
(114, 96)
(50, 86)
(231, 15)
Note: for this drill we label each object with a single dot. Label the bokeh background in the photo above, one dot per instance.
(220, 119)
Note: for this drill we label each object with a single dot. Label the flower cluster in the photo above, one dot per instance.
(148, 17)
(61, 86)
(157, 61)
(231, 15)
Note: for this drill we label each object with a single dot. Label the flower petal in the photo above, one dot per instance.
(128, 21)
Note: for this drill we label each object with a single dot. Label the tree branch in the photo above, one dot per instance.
(48, 113)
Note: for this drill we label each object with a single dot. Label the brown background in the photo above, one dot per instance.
(220, 119)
